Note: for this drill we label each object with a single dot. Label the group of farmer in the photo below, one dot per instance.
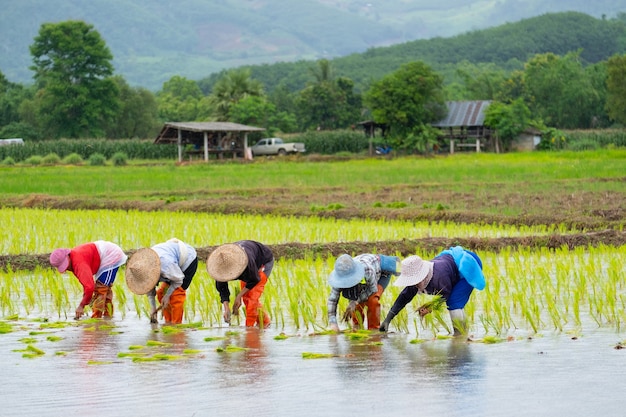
(164, 272)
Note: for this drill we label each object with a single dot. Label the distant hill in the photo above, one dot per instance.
(507, 46)
(152, 40)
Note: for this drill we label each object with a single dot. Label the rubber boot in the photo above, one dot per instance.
(373, 309)
(459, 323)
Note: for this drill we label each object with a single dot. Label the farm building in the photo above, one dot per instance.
(202, 139)
(464, 125)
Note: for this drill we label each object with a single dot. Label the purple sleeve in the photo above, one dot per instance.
(405, 297)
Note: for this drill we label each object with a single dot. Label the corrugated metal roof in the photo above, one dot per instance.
(169, 132)
(464, 113)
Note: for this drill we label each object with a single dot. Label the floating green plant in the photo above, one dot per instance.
(135, 347)
(5, 327)
(60, 353)
(281, 336)
(130, 354)
(157, 343)
(31, 352)
(213, 338)
(37, 333)
(311, 355)
(488, 339)
(230, 348)
(232, 333)
(357, 335)
(157, 357)
(171, 329)
(12, 317)
(55, 325)
(54, 338)
(191, 351)
(28, 340)
(416, 341)
(90, 362)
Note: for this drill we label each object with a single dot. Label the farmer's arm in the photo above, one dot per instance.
(82, 271)
(331, 306)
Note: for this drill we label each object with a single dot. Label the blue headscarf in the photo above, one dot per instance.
(469, 264)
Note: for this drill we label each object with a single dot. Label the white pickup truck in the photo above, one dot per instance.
(276, 146)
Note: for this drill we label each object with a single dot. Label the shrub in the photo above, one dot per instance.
(119, 159)
(51, 159)
(584, 145)
(73, 159)
(33, 160)
(97, 159)
(8, 161)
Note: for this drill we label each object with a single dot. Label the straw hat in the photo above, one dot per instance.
(347, 272)
(227, 262)
(143, 271)
(414, 270)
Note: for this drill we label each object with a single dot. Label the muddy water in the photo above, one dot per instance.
(82, 374)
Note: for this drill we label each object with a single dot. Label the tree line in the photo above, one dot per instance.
(76, 94)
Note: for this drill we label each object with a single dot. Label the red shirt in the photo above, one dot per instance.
(85, 264)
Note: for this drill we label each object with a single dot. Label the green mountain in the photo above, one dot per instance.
(152, 40)
(507, 46)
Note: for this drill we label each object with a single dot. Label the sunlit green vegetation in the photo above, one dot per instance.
(527, 292)
(25, 229)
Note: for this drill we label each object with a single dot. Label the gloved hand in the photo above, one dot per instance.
(384, 326)
(153, 317)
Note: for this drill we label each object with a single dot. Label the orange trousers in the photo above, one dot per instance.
(373, 311)
(174, 312)
(102, 301)
(253, 305)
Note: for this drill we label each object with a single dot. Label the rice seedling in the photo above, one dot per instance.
(311, 355)
(527, 291)
(230, 349)
(93, 363)
(54, 338)
(158, 343)
(142, 229)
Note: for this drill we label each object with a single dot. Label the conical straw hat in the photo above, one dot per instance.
(227, 262)
(143, 271)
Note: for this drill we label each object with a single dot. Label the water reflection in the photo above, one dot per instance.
(244, 358)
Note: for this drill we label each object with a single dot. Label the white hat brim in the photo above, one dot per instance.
(406, 280)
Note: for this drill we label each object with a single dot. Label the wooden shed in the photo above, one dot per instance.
(464, 125)
(208, 138)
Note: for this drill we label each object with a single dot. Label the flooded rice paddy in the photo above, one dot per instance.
(546, 339)
(128, 367)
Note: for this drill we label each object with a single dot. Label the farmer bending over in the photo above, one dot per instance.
(453, 274)
(99, 259)
(361, 280)
(250, 262)
(173, 264)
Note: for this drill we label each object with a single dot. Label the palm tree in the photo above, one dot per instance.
(231, 88)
